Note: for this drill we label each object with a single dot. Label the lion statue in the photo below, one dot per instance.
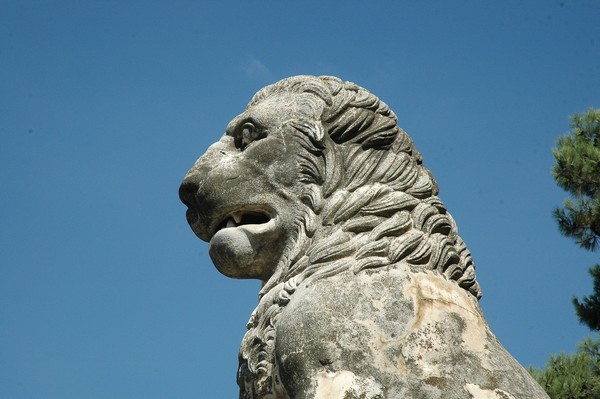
(368, 291)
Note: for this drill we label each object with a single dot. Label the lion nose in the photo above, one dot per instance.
(187, 192)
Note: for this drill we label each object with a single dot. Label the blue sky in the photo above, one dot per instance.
(104, 290)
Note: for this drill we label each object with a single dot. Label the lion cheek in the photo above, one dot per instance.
(233, 254)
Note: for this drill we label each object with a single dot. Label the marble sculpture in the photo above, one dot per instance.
(368, 290)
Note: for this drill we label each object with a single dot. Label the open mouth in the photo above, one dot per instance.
(253, 221)
(238, 219)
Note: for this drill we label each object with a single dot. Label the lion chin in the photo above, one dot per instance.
(368, 290)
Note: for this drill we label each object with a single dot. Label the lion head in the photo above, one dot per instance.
(313, 178)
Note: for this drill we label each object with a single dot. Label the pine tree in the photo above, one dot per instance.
(577, 170)
(588, 310)
(573, 376)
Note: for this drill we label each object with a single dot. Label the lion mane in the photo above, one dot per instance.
(369, 203)
(370, 200)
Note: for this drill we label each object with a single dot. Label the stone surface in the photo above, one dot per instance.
(368, 291)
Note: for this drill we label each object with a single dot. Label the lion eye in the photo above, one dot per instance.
(249, 133)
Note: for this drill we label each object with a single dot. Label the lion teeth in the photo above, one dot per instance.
(237, 217)
(230, 223)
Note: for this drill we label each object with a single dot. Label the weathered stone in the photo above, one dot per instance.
(368, 290)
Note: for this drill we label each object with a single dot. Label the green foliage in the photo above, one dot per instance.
(577, 170)
(573, 376)
(588, 310)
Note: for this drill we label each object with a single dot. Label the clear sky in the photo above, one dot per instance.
(105, 292)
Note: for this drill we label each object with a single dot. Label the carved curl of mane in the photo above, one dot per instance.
(370, 201)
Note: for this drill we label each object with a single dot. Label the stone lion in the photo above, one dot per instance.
(368, 291)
